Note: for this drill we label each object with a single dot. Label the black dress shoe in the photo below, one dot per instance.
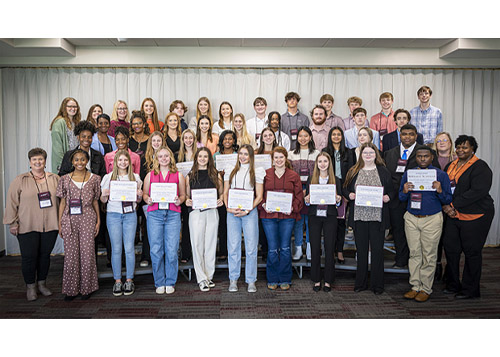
(340, 261)
(378, 292)
(439, 272)
(358, 290)
(327, 289)
(462, 296)
(221, 259)
(69, 298)
(264, 258)
(86, 297)
(449, 291)
(317, 288)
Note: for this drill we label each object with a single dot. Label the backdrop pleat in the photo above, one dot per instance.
(32, 96)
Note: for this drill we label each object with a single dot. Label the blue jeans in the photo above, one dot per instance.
(298, 230)
(279, 258)
(164, 229)
(121, 228)
(250, 226)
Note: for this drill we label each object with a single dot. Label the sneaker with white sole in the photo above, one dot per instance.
(118, 289)
(169, 289)
(211, 284)
(308, 251)
(233, 286)
(252, 288)
(128, 288)
(297, 254)
(204, 286)
(160, 290)
(144, 264)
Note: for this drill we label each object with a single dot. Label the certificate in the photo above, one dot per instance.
(223, 162)
(123, 191)
(184, 167)
(279, 202)
(163, 192)
(204, 198)
(323, 194)
(422, 179)
(263, 160)
(242, 199)
(369, 196)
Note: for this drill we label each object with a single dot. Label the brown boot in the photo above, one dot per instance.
(31, 292)
(43, 288)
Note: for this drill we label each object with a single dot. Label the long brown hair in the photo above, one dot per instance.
(262, 145)
(353, 171)
(212, 171)
(198, 130)
(156, 164)
(138, 114)
(281, 150)
(249, 148)
(63, 113)
(221, 118)
(150, 152)
(89, 115)
(316, 171)
(156, 124)
(182, 151)
(209, 112)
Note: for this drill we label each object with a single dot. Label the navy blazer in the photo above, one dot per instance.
(391, 140)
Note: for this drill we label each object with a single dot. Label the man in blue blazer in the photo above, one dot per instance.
(393, 139)
(351, 135)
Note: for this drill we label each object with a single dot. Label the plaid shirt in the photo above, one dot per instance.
(429, 122)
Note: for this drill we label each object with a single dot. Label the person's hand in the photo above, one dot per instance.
(408, 187)
(307, 199)
(149, 201)
(60, 230)
(105, 192)
(240, 212)
(338, 198)
(452, 214)
(352, 196)
(386, 198)
(189, 202)
(96, 232)
(265, 209)
(219, 202)
(14, 230)
(437, 186)
(177, 202)
(139, 195)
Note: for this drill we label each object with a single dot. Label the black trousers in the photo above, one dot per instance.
(35, 254)
(368, 235)
(467, 237)
(222, 231)
(340, 239)
(262, 239)
(327, 225)
(142, 225)
(186, 250)
(398, 232)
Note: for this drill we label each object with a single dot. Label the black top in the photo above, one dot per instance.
(472, 192)
(344, 162)
(332, 209)
(175, 146)
(203, 181)
(97, 165)
(391, 140)
(107, 147)
(140, 149)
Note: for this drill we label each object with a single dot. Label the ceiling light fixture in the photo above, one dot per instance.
(122, 39)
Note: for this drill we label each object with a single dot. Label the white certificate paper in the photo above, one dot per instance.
(369, 196)
(204, 198)
(163, 192)
(242, 199)
(323, 194)
(263, 160)
(222, 162)
(123, 191)
(184, 167)
(422, 179)
(279, 202)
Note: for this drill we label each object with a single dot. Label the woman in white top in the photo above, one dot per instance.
(225, 118)
(240, 219)
(282, 139)
(242, 134)
(203, 107)
(121, 221)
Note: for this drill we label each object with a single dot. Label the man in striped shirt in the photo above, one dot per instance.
(427, 119)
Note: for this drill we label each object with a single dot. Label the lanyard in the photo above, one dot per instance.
(45, 178)
(244, 178)
(84, 177)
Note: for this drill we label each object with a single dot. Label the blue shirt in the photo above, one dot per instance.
(428, 122)
(431, 200)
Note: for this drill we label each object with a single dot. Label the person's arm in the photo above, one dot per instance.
(58, 136)
(95, 204)
(298, 194)
(445, 196)
(65, 167)
(220, 201)
(189, 201)
(227, 186)
(105, 189)
(145, 191)
(480, 184)
(62, 206)
(12, 201)
(182, 190)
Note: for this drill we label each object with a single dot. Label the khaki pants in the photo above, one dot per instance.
(423, 236)
(203, 231)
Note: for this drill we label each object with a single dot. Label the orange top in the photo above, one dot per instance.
(152, 126)
(454, 172)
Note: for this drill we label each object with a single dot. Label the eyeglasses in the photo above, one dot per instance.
(72, 106)
(442, 141)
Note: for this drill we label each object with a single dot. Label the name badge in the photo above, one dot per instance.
(453, 185)
(401, 165)
(44, 200)
(75, 206)
(321, 210)
(416, 201)
(128, 207)
(304, 175)
(382, 132)
(293, 133)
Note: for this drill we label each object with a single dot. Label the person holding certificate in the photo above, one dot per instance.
(204, 193)
(121, 219)
(368, 186)
(164, 191)
(423, 221)
(204, 135)
(323, 193)
(79, 223)
(282, 202)
(242, 216)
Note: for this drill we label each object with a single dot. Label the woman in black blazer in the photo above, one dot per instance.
(369, 223)
(470, 216)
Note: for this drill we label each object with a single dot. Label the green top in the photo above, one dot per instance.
(59, 143)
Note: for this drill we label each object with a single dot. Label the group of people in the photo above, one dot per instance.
(286, 175)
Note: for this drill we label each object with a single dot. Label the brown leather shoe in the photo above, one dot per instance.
(422, 296)
(410, 295)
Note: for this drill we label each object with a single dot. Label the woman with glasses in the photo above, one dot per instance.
(119, 117)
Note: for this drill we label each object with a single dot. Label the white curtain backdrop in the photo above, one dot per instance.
(32, 96)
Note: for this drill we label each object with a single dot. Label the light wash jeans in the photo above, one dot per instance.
(298, 230)
(250, 226)
(121, 228)
(164, 229)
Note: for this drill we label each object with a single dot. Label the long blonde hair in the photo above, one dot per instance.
(452, 149)
(353, 171)
(156, 164)
(150, 152)
(63, 113)
(316, 171)
(182, 151)
(209, 112)
(114, 114)
(130, 173)
(237, 167)
(245, 137)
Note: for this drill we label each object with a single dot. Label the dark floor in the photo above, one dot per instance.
(299, 302)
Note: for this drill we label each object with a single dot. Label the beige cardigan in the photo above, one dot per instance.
(22, 208)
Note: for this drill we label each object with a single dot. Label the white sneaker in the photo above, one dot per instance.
(169, 289)
(233, 286)
(144, 263)
(297, 255)
(160, 290)
(308, 251)
(204, 285)
(252, 288)
(211, 284)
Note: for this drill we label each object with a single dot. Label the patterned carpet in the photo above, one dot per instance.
(300, 302)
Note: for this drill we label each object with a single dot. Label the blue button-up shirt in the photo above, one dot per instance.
(429, 122)
(431, 200)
